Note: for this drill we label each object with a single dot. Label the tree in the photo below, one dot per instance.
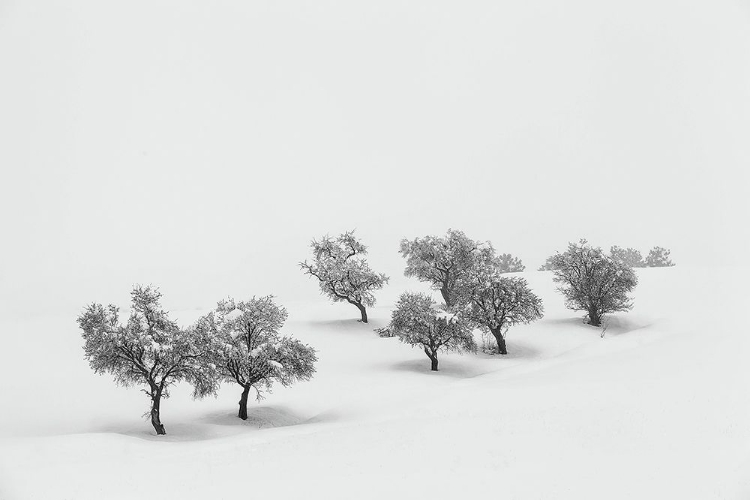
(248, 349)
(508, 264)
(549, 264)
(444, 261)
(417, 322)
(593, 282)
(499, 302)
(343, 273)
(628, 256)
(658, 257)
(148, 350)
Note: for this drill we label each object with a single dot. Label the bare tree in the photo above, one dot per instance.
(416, 321)
(444, 261)
(343, 273)
(148, 350)
(498, 302)
(593, 282)
(248, 349)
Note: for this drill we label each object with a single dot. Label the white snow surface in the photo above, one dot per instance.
(658, 408)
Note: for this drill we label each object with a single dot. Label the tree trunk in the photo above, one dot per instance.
(362, 312)
(243, 403)
(594, 318)
(446, 297)
(155, 420)
(498, 334)
(433, 359)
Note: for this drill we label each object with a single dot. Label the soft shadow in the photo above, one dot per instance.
(515, 351)
(217, 425)
(579, 321)
(346, 325)
(260, 417)
(446, 368)
(618, 325)
(611, 325)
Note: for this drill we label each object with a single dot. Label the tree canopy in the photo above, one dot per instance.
(658, 257)
(593, 282)
(248, 349)
(149, 349)
(498, 302)
(417, 321)
(444, 261)
(343, 273)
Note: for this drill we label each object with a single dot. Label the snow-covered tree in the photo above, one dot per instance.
(343, 273)
(416, 321)
(628, 256)
(549, 264)
(658, 257)
(248, 349)
(443, 261)
(149, 349)
(506, 263)
(499, 302)
(593, 282)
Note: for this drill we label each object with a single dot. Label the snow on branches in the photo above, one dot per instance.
(498, 302)
(248, 349)
(416, 321)
(149, 349)
(592, 281)
(447, 261)
(343, 273)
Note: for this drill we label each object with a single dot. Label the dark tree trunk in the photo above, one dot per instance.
(155, 420)
(433, 359)
(362, 312)
(498, 334)
(446, 296)
(243, 403)
(594, 317)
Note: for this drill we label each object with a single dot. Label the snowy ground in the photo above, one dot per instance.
(659, 408)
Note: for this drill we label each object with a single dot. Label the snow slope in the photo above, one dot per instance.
(658, 408)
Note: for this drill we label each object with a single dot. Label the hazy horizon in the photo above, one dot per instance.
(201, 147)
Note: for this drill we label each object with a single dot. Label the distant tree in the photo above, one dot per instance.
(444, 261)
(343, 273)
(628, 256)
(593, 282)
(549, 264)
(658, 257)
(248, 349)
(148, 350)
(498, 302)
(506, 263)
(416, 321)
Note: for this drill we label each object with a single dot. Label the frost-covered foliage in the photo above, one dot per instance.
(506, 263)
(445, 261)
(593, 282)
(658, 257)
(416, 321)
(499, 302)
(149, 349)
(248, 349)
(549, 264)
(628, 256)
(384, 332)
(343, 273)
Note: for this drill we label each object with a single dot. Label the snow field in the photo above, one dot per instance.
(656, 409)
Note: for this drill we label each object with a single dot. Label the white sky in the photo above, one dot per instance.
(199, 146)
